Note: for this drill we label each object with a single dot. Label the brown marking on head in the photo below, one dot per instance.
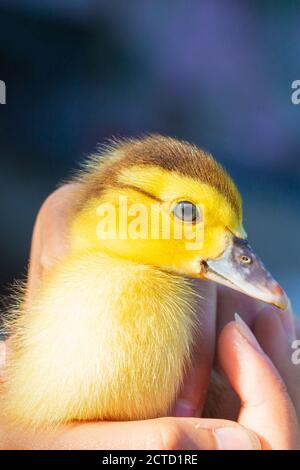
(156, 150)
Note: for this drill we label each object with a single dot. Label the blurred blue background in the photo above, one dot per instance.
(217, 73)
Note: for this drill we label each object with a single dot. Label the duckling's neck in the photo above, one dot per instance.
(113, 338)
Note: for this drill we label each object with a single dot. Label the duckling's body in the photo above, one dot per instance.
(110, 332)
(86, 350)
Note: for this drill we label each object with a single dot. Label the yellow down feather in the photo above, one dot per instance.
(110, 333)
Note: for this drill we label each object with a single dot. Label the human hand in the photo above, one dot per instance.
(271, 424)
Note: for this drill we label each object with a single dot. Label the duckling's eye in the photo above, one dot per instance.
(186, 211)
(245, 259)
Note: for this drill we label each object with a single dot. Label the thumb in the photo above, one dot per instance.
(266, 406)
(167, 433)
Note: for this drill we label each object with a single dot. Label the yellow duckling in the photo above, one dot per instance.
(110, 332)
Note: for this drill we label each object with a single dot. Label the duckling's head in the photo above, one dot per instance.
(166, 203)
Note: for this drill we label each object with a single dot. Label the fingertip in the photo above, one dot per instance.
(205, 434)
(236, 438)
(226, 335)
(49, 241)
(271, 318)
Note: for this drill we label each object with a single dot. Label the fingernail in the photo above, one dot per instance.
(234, 438)
(184, 408)
(245, 331)
(2, 354)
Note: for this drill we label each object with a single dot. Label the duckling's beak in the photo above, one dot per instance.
(239, 268)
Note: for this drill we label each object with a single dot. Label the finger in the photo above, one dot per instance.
(231, 301)
(157, 434)
(266, 407)
(228, 302)
(275, 332)
(192, 396)
(49, 242)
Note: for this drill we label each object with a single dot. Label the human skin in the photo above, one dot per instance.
(262, 403)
